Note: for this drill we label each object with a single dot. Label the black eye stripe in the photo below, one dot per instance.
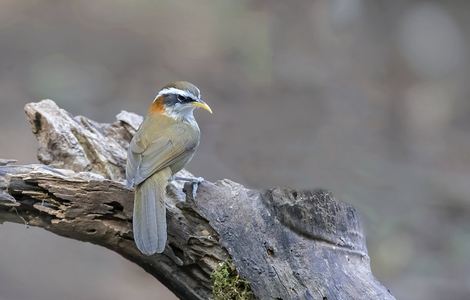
(184, 99)
(172, 99)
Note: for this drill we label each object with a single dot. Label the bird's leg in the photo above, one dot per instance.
(190, 179)
(195, 181)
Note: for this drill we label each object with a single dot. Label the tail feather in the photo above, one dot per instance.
(149, 218)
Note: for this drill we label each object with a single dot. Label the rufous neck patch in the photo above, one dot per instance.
(157, 105)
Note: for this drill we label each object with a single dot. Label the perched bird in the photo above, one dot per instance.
(164, 143)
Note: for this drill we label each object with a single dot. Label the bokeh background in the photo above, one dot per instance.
(367, 98)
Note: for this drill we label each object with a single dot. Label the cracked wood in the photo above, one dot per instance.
(288, 244)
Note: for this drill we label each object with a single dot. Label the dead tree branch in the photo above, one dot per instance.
(287, 244)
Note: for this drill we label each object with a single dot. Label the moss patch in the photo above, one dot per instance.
(228, 285)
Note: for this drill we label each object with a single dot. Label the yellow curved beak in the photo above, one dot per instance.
(202, 105)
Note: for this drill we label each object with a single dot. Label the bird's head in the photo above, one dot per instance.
(178, 99)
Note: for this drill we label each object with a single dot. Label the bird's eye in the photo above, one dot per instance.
(181, 98)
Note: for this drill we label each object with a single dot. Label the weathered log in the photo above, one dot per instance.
(287, 244)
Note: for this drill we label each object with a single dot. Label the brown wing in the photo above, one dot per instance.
(174, 144)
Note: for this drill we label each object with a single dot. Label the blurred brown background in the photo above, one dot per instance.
(367, 98)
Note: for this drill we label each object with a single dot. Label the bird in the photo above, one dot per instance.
(164, 143)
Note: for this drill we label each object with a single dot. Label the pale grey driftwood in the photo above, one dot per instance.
(288, 244)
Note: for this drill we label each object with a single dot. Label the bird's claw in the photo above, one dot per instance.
(198, 179)
(195, 182)
(195, 185)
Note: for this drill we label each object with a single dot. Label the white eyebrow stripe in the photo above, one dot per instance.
(176, 91)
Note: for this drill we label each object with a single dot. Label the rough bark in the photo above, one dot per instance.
(287, 244)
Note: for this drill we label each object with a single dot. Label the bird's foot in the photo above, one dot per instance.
(195, 181)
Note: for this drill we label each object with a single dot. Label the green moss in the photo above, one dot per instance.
(228, 285)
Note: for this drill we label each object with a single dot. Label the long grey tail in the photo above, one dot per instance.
(149, 218)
